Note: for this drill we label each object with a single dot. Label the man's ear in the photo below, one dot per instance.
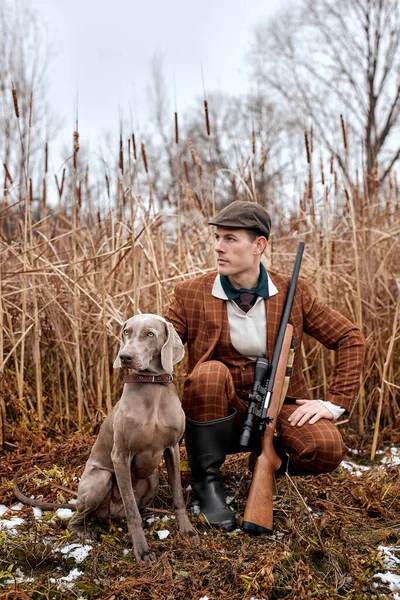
(117, 362)
(172, 351)
(261, 244)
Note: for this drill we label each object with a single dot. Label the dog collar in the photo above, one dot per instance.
(148, 378)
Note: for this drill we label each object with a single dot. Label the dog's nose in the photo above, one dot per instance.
(124, 358)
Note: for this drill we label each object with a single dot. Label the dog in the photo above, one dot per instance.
(148, 422)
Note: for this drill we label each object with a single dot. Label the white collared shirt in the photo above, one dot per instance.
(248, 331)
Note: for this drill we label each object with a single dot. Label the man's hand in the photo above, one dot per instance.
(309, 411)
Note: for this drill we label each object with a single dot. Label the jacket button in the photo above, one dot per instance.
(243, 368)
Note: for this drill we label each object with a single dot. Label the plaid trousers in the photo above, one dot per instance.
(227, 379)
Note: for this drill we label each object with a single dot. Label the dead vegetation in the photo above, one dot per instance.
(71, 273)
(328, 530)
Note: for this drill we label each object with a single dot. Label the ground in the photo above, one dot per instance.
(336, 536)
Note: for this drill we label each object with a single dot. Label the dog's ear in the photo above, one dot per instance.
(117, 362)
(172, 351)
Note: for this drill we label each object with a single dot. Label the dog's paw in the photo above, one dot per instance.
(190, 532)
(145, 558)
(194, 537)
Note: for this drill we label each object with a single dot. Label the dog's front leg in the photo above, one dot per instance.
(122, 467)
(172, 461)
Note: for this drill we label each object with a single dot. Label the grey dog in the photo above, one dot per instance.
(121, 474)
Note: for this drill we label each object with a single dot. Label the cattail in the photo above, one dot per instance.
(307, 147)
(310, 185)
(121, 155)
(253, 140)
(15, 99)
(185, 166)
(44, 193)
(343, 132)
(30, 190)
(191, 149)
(207, 118)
(108, 186)
(235, 189)
(176, 129)
(322, 172)
(134, 146)
(8, 176)
(144, 158)
(46, 157)
(262, 166)
(30, 109)
(76, 148)
(331, 165)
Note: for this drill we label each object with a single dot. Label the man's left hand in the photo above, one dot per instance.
(309, 411)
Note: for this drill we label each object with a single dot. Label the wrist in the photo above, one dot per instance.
(334, 409)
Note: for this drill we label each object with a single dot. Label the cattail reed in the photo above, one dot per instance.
(144, 156)
(30, 110)
(207, 118)
(176, 129)
(76, 148)
(262, 164)
(186, 169)
(15, 101)
(8, 176)
(344, 135)
(307, 147)
(134, 146)
(121, 155)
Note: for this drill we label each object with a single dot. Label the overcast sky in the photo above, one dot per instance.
(103, 50)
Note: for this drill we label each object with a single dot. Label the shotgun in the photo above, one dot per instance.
(265, 405)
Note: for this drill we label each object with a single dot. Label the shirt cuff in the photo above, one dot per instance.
(336, 410)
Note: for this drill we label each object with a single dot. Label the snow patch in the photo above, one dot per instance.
(163, 533)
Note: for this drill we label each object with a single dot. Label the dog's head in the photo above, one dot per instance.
(149, 343)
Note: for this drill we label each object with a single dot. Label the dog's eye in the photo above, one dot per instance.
(150, 333)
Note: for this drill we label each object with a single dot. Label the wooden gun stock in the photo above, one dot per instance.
(258, 516)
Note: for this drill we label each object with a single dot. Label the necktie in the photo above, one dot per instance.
(245, 301)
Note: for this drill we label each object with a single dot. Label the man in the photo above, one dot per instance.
(230, 318)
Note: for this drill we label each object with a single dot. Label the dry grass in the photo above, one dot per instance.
(69, 279)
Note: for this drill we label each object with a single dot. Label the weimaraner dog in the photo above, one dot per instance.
(121, 474)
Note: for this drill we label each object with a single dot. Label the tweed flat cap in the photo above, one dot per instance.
(244, 215)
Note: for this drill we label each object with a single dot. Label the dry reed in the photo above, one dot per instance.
(69, 281)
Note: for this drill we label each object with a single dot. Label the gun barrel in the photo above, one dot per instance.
(285, 315)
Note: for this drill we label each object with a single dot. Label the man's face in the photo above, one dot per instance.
(236, 253)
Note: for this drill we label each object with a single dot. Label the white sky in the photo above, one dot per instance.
(104, 48)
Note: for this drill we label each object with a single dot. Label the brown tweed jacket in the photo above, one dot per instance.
(197, 316)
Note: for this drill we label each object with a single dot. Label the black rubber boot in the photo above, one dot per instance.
(206, 445)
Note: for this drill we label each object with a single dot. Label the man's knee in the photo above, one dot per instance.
(208, 391)
(210, 369)
(322, 455)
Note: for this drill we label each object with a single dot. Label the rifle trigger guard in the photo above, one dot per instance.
(278, 430)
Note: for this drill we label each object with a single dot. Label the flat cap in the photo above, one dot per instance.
(244, 215)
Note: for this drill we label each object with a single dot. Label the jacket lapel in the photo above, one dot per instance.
(273, 310)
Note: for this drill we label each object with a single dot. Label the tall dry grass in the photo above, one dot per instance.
(70, 276)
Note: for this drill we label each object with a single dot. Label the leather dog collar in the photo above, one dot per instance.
(136, 378)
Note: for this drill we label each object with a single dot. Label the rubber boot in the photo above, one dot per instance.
(206, 445)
